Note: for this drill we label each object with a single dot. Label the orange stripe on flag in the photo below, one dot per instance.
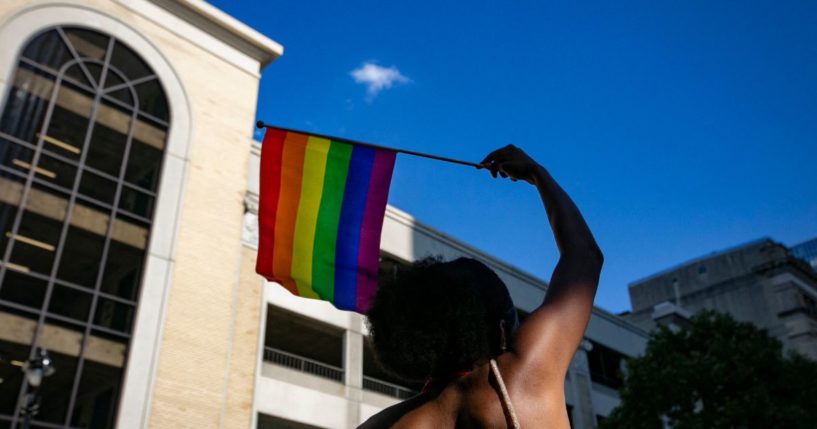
(291, 174)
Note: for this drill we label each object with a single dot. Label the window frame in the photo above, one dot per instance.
(89, 326)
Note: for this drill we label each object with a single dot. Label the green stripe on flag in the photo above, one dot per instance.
(323, 265)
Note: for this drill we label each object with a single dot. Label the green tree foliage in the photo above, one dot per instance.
(717, 373)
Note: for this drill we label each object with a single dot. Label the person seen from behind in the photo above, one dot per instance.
(453, 326)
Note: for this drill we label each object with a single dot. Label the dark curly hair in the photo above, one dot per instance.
(433, 318)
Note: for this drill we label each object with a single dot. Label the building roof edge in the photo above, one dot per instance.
(403, 217)
(701, 259)
(245, 38)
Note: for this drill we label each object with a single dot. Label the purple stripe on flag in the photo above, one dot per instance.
(368, 257)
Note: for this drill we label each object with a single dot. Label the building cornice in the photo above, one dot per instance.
(419, 227)
(702, 259)
(398, 215)
(223, 26)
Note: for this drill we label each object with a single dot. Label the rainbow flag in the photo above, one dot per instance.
(321, 211)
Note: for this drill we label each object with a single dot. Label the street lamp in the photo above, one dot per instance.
(35, 370)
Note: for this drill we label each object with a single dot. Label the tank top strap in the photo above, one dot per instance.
(506, 398)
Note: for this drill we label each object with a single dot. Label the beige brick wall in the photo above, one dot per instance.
(204, 352)
(192, 378)
(245, 342)
(208, 349)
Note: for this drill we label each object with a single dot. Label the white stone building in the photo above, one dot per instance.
(320, 374)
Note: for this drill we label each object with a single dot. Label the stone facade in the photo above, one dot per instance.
(759, 282)
(192, 362)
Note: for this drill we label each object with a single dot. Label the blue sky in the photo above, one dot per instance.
(679, 128)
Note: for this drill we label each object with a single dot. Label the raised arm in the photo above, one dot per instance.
(547, 340)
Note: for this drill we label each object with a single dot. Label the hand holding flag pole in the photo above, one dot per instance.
(261, 124)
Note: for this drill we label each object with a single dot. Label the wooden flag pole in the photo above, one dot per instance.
(261, 124)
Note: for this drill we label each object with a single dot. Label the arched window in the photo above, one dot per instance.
(82, 138)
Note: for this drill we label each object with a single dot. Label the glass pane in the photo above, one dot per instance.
(123, 269)
(15, 156)
(36, 242)
(48, 49)
(107, 147)
(70, 302)
(144, 164)
(76, 73)
(69, 122)
(90, 218)
(22, 289)
(55, 171)
(113, 315)
(81, 257)
(113, 79)
(97, 187)
(123, 95)
(115, 117)
(127, 62)
(136, 202)
(95, 70)
(40, 225)
(152, 99)
(63, 344)
(99, 384)
(11, 191)
(87, 43)
(13, 354)
(27, 104)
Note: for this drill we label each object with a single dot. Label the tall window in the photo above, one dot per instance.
(82, 136)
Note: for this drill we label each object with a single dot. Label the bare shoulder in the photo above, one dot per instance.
(389, 416)
(537, 397)
(475, 401)
(412, 413)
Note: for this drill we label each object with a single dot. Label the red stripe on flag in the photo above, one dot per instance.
(272, 150)
(287, 211)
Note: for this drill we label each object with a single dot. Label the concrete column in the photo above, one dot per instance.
(353, 374)
(353, 359)
(583, 415)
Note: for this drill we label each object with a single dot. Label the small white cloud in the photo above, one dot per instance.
(377, 78)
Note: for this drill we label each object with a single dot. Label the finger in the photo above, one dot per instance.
(512, 170)
(494, 169)
(487, 160)
(484, 165)
(496, 155)
(505, 168)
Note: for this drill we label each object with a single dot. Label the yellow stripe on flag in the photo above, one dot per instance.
(311, 192)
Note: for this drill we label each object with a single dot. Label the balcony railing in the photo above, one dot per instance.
(387, 388)
(300, 363)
